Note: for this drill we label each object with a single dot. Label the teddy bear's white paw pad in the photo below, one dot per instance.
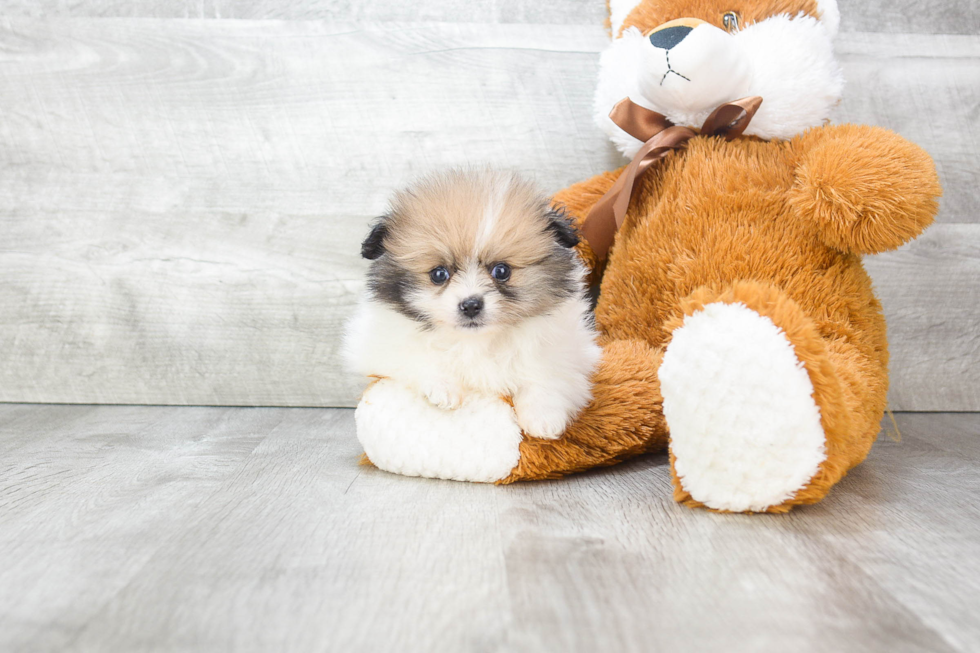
(744, 428)
(403, 432)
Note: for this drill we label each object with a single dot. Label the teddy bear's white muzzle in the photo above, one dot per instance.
(691, 69)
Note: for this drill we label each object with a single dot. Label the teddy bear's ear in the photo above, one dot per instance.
(562, 228)
(829, 15)
(373, 246)
(618, 11)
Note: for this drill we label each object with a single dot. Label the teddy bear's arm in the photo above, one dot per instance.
(869, 189)
(577, 200)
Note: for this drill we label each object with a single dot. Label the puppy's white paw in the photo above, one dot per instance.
(541, 421)
(443, 395)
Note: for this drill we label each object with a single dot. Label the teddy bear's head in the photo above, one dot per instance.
(684, 58)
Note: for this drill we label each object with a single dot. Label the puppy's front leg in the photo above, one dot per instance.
(442, 393)
(543, 412)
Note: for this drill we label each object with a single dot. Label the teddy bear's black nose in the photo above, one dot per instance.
(668, 38)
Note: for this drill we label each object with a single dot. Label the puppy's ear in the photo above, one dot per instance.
(560, 225)
(374, 246)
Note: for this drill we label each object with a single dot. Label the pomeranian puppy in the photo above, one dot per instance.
(474, 287)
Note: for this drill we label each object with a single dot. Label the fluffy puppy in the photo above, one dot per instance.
(474, 287)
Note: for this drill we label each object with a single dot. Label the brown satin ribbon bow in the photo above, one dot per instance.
(660, 136)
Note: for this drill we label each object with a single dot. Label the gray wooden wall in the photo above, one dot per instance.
(181, 195)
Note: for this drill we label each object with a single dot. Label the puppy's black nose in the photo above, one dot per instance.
(668, 38)
(471, 306)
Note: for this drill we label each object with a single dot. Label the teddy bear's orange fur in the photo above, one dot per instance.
(777, 226)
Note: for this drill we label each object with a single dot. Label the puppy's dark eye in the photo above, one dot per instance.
(439, 275)
(500, 272)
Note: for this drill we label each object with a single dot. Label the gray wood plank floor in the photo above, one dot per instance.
(183, 199)
(209, 529)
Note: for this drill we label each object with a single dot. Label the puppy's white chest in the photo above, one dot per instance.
(482, 367)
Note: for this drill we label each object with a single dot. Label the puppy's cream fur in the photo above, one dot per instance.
(533, 340)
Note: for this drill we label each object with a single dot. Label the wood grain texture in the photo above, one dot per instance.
(554, 12)
(892, 16)
(926, 88)
(930, 290)
(204, 529)
(182, 200)
(88, 495)
(910, 16)
(185, 200)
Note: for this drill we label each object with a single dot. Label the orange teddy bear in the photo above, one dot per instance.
(738, 325)
(734, 291)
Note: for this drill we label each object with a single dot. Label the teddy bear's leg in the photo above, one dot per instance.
(623, 420)
(764, 412)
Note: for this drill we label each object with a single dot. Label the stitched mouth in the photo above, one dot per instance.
(670, 70)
